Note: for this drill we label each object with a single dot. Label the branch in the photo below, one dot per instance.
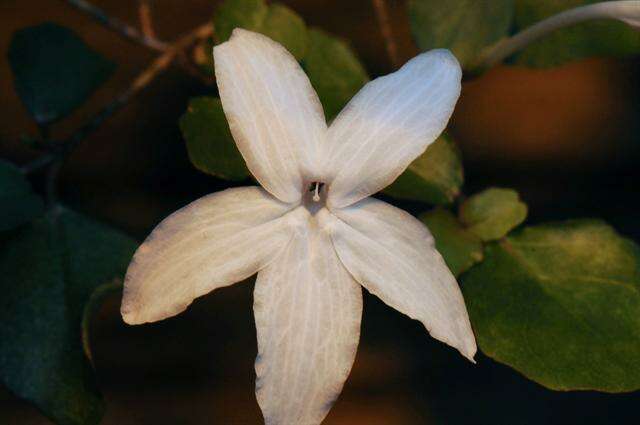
(161, 63)
(120, 27)
(382, 15)
(146, 22)
(627, 11)
(58, 151)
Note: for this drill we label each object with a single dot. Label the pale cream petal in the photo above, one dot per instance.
(274, 113)
(213, 242)
(388, 124)
(393, 256)
(307, 310)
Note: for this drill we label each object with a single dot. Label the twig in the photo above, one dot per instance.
(58, 151)
(627, 11)
(146, 22)
(382, 14)
(51, 187)
(144, 78)
(38, 163)
(120, 27)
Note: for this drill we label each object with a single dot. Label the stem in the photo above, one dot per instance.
(38, 163)
(52, 182)
(161, 63)
(120, 27)
(146, 22)
(382, 15)
(627, 11)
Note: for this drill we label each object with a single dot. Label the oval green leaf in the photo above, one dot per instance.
(560, 303)
(492, 213)
(460, 248)
(54, 71)
(210, 145)
(435, 177)
(276, 21)
(49, 271)
(463, 26)
(334, 70)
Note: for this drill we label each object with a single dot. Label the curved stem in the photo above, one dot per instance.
(627, 11)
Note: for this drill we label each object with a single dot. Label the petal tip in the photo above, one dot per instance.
(129, 316)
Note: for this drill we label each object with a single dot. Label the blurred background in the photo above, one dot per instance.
(568, 139)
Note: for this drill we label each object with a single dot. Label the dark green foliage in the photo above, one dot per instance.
(54, 71)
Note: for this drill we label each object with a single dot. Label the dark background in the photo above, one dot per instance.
(566, 138)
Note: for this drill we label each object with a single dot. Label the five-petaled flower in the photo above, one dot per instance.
(312, 234)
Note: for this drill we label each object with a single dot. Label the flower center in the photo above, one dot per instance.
(316, 187)
(315, 197)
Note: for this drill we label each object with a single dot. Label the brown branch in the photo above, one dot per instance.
(57, 151)
(123, 29)
(146, 21)
(382, 15)
(160, 64)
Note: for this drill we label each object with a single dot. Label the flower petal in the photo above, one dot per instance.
(389, 123)
(393, 256)
(307, 310)
(213, 242)
(273, 111)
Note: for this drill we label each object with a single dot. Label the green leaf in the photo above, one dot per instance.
(595, 38)
(334, 70)
(463, 26)
(247, 14)
(54, 71)
(276, 21)
(209, 142)
(459, 248)
(287, 28)
(19, 204)
(435, 177)
(492, 213)
(560, 303)
(48, 271)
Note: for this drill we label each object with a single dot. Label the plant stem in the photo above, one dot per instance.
(51, 188)
(382, 14)
(146, 22)
(161, 63)
(120, 27)
(38, 163)
(627, 11)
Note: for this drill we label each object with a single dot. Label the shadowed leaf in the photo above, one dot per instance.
(463, 26)
(435, 177)
(19, 204)
(276, 21)
(54, 72)
(49, 270)
(209, 142)
(459, 248)
(334, 70)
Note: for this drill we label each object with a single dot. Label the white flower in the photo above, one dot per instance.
(313, 234)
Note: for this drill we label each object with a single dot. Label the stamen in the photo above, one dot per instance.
(316, 196)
